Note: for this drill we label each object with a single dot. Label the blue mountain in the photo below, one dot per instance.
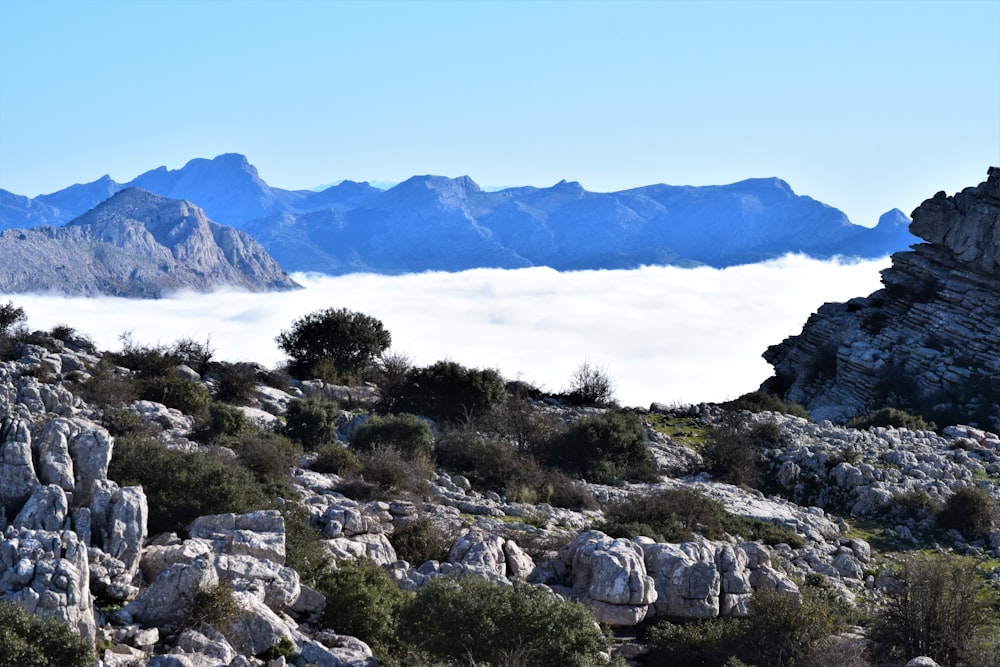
(438, 223)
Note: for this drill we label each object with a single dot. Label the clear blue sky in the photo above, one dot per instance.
(864, 105)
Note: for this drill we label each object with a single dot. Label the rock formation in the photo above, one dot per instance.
(927, 341)
(136, 244)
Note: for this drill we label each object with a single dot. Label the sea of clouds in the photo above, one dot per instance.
(666, 334)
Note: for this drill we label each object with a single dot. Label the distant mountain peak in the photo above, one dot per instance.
(893, 220)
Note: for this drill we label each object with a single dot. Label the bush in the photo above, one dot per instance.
(474, 621)
(450, 392)
(971, 511)
(421, 541)
(386, 475)
(188, 396)
(603, 448)
(269, 456)
(892, 417)
(936, 607)
(759, 401)
(334, 344)
(366, 604)
(734, 453)
(107, 387)
(333, 458)
(235, 383)
(311, 422)
(11, 317)
(490, 465)
(780, 631)
(407, 433)
(182, 486)
(591, 385)
(223, 421)
(29, 641)
(214, 605)
(304, 550)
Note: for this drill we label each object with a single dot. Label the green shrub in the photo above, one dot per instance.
(194, 354)
(407, 433)
(421, 541)
(937, 607)
(780, 632)
(892, 417)
(336, 345)
(269, 456)
(449, 392)
(106, 387)
(29, 641)
(182, 486)
(759, 401)
(121, 421)
(188, 396)
(734, 453)
(214, 605)
(489, 465)
(916, 505)
(971, 511)
(603, 448)
(235, 382)
(304, 550)
(336, 459)
(474, 621)
(311, 422)
(223, 421)
(669, 516)
(392, 476)
(365, 603)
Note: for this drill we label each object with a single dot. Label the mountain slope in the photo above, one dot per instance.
(136, 244)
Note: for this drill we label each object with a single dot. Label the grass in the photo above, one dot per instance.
(686, 431)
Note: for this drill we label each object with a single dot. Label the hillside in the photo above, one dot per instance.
(438, 223)
(136, 244)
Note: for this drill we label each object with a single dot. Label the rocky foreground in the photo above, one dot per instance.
(74, 544)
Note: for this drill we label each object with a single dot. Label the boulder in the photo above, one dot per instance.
(168, 601)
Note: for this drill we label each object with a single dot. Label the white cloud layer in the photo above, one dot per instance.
(662, 333)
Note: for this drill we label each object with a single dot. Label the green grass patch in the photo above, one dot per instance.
(686, 431)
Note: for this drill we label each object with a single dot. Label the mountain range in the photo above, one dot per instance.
(438, 223)
(136, 244)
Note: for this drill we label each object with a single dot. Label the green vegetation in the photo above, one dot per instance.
(474, 621)
(602, 448)
(407, 433)
(311, 422)
(892, 417)
(676, 514)
(449, 392)
(971, 511)
(780, 632)
(336, 345)
(29, 641)
(182, 486)
(735, 450)
(937, 607)
(591, 385)
(759, 401)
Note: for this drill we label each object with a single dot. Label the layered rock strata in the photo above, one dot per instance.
(927, 341)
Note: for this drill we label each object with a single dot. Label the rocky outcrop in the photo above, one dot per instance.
(136, 244)
(927, 341)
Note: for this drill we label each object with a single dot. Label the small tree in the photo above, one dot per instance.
(333, 344)
(449, 392)
(937, 607)
(971, 511)
(591, 385)
(10, 316)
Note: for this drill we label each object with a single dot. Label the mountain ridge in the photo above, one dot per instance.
(431, 222)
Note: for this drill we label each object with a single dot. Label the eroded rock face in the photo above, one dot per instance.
(928, 338)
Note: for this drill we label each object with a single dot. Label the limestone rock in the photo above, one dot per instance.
(928, 337)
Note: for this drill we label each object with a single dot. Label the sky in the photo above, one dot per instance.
(662, 334)
(866, 106)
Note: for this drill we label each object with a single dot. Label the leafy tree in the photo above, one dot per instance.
(473, 621)
(333, 344)
(29, 641)
(734, 453)
(11, 316)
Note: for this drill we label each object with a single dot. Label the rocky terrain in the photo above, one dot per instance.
(75, 546)
(927, 341)
(437, 223)
(136, 244)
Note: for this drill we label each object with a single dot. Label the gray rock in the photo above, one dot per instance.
(168, 600)
(46, 509)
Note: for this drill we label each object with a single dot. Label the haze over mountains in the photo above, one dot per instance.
(451, 224)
